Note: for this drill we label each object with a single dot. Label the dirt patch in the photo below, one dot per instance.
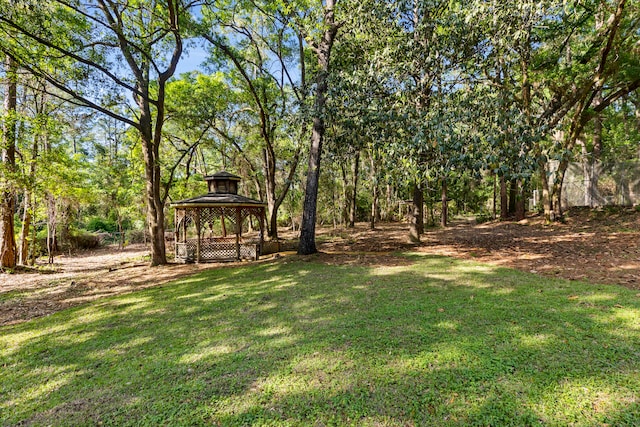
(599, 246)
(594, 246)
(76, 279)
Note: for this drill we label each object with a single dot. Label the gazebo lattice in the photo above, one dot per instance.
(210, 227)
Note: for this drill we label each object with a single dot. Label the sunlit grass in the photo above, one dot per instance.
(293, 342)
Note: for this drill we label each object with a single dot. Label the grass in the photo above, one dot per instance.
(295, 342)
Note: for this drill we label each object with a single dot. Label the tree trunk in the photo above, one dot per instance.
(389, 208)
(431, 216)
(586, 174)
(23, 247)
(353, 198)
(8, 202)
(495, 195)
(308, 227)
(557, 188)
(29, 209)
(547, 201)
(273, 231)
(595, 156)
(270, 190)
(513, 196)
(52, 241)
(346, 195)
(504, 207)
(416, 226)
(155, 206)
(374, 208)
(445, 208)
(375, 193)
(521, 193)
(307, 243)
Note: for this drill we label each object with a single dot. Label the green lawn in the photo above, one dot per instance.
(293, 342)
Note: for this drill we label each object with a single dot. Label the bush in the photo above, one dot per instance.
(81, 239)
(96, 223)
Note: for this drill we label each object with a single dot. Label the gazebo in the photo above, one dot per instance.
(210, 227)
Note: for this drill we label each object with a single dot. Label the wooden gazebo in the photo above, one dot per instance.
(210, 227)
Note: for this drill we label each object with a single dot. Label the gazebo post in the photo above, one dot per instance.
(198, 243)
(261, 219)
(176, 234)
(238, 231)
(184, 229)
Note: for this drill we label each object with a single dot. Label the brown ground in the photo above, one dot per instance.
(601, 247)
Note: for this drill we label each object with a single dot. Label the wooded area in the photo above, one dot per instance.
(333, 112)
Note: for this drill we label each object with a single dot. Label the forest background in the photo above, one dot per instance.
(333, 112)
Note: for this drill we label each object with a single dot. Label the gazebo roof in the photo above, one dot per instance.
(223, 175)
(217, 199)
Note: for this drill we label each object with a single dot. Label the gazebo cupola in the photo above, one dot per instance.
(211, 227)
(222, 183)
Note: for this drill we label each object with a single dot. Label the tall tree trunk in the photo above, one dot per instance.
(416, 226)
(353, 199)
(285, 188)
(596, 156)
(445, 207)
(155, 206)
(23, 247)
(8, 202)
(431, 219)
(323, 52)
(309, 210)
(557, 188)
(521, 197)
(389, 208)
(374, 208)
(495, 196)
(150, 129)
(504, 206)
(375, 192)
(268, 156)
(513, 195)
(52, 240)
(346, 195)
(587, 173)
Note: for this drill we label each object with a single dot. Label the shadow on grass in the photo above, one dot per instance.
(295, 343)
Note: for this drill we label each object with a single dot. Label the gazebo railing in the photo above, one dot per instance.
(216, 249)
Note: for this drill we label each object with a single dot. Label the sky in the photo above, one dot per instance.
(192, 58)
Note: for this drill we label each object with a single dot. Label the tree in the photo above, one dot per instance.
(7, 179)
(113, 47)
(262, 52)
(321, 46)
(614, 38)
(551, 61)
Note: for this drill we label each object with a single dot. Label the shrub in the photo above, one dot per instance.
(81, 239)
(96, 223)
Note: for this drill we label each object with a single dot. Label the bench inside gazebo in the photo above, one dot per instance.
(211, 227)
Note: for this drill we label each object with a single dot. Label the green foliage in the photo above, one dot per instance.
(432, 342)
(433, 90)
(100, 224)
(80, 239)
